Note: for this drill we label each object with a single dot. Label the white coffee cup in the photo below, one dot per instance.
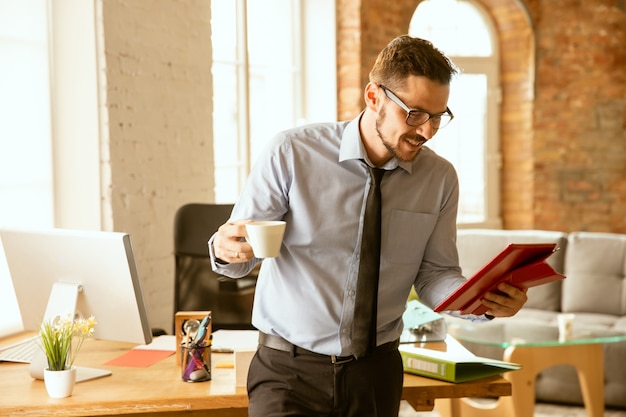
(265, 237)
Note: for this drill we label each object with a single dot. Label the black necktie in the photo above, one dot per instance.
(364, 326)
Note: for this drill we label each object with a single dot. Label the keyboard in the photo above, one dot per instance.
(21, 351)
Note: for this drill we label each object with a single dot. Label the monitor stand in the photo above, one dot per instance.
(39, 363)
(62, 302)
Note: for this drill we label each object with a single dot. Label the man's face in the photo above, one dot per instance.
(401, 140)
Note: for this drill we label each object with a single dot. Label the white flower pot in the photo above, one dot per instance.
(60, 384)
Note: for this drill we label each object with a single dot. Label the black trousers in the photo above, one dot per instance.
(307, 384)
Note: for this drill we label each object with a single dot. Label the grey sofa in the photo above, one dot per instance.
(594, 289)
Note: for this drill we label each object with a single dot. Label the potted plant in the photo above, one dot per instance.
(61, 339)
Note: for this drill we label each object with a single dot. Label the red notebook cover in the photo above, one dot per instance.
(522, 265)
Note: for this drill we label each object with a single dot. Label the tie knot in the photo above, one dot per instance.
(376, 174)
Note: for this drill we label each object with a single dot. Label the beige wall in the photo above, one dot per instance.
(155, 74)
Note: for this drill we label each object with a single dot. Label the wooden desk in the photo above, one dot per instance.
(159, 391)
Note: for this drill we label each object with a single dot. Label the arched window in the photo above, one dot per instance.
(465, 33)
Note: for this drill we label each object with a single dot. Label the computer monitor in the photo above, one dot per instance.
(92, 273)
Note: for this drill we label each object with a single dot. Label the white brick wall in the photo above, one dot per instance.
(157, 65)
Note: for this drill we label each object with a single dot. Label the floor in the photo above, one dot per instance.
(541, 410)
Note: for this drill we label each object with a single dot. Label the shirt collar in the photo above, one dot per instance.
(352, 148)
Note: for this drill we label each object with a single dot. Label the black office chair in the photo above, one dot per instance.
(197, 287)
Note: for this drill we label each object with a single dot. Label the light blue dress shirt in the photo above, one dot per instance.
(314, 178)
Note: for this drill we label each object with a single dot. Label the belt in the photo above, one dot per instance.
(278, 343)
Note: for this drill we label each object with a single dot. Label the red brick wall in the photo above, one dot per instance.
(563, 120)
(580, 115)
(363, 29)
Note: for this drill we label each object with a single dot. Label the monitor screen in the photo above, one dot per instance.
(92, 272)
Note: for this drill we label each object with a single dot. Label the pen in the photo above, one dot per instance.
(202, 332)
(191, 330)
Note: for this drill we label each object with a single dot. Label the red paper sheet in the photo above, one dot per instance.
(140, 358)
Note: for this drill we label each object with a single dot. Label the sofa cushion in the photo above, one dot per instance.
(478, 246)
(595, 266)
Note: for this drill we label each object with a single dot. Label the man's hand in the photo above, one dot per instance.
(229, 244)
(506, 302)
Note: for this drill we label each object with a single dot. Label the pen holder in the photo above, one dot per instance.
(180, 319)
(196, 363)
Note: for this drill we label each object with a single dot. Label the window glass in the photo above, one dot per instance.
(225, 142)
(25, 148)
(462, 143)
(226, 64)
(454, 26)
(272, 40)
(224, 30)
(255, 74)
(460, 30)
(25, 142)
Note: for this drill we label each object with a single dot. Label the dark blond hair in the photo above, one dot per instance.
(405, 56)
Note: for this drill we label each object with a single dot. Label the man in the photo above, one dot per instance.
(317, 179)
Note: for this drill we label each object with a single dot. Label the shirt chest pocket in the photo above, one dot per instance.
(407, 235)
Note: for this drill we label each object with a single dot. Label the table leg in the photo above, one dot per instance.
(591, 377)
(447, 407)
(587, 359)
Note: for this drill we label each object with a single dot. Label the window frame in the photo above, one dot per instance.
(314, 87)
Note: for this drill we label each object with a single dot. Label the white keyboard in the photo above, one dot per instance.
(21, 351)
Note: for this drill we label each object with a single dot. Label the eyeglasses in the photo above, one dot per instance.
(417, 117)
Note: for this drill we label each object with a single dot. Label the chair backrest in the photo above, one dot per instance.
(196, 286)
(195, 223)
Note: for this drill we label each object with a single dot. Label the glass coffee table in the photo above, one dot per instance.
(535, 345)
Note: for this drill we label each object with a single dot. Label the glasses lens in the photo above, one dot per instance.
(441, 121)
(416, 118)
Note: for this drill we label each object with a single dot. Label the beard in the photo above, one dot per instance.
(394, 149)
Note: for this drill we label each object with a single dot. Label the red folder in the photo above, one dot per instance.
(522, 265)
